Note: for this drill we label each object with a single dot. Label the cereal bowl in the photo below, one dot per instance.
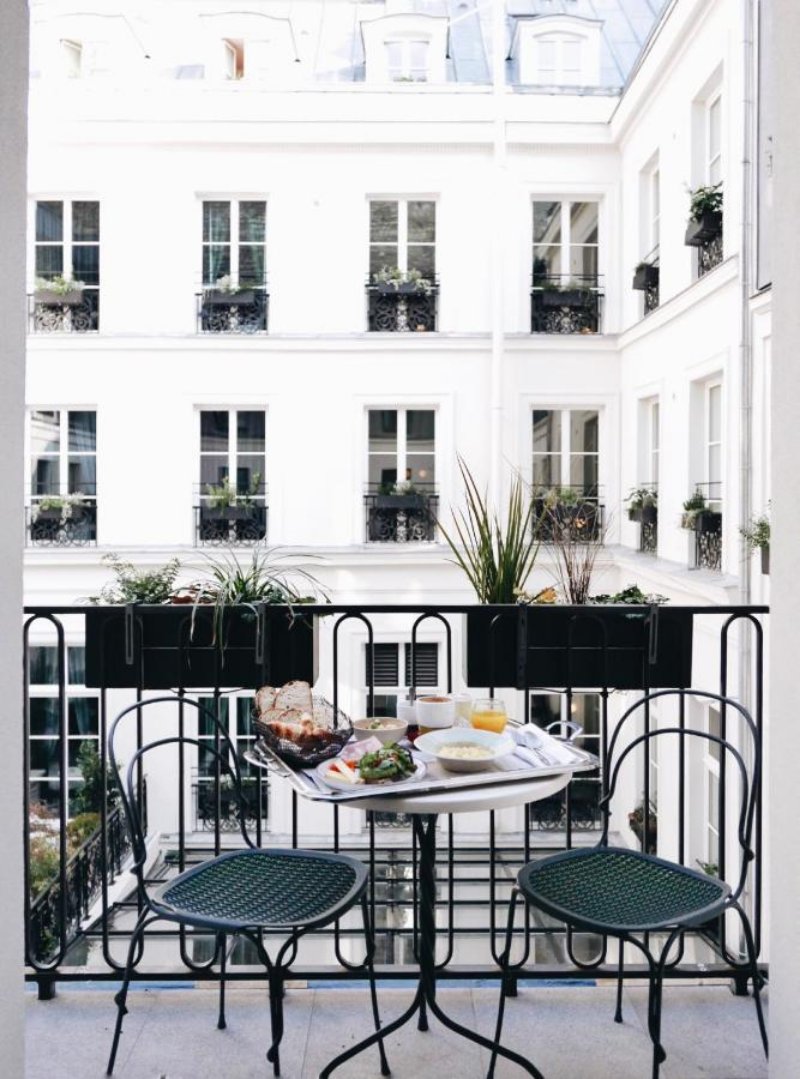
(461, 749)
(389, 729)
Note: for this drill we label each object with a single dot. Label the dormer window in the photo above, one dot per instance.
(72, 58)
(407, 47)
(248, 46)
(233, 58)
(557, 50)
(408, 60)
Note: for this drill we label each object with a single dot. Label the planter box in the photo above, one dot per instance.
(583, 647)
(229, 299)
(168, 652)
(649, 515)
(405, 289)
(401, 502)
(765, 560)
(60, 299)
(645, 277)
(707, 521)
(703, 231)
(634, 513)
(564, 298)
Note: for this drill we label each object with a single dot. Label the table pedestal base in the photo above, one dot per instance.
(425, 997)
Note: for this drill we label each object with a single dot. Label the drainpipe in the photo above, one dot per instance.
(497, 261)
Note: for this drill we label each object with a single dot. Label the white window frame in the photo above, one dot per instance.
(402, 438)
(233, 452)
(714, 484)
(66, 242)
(713, 162)
(566, 233)
(233, 59)
(400, 690)
(557, 30)
(653, 440)
(233, 243)
(406, 71)
(711, 780)
(72, 58)
(565, 453)
(63, 453)
(402, 228)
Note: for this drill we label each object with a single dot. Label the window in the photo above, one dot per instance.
(233, 452)
(407, 60)
(584, 790)
(711, 766)
(565, 241)
(233, 59)
(566, 450)
(234, 242)
(557, 51)
(71, 58)
(653, 441)
(50, 762)
(402, 234)
(559, 59)
(68, 241)
(234, 716)
(713, 140)
(401, 448)
(63, 454)
(713, 447)
(393, 672)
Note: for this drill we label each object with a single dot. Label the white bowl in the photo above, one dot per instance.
(435, 711)
(435, 742)
(385, 735)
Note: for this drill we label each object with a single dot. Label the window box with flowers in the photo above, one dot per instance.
(757, 536)
(705, 216)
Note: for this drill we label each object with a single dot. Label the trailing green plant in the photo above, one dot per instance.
(706, 199)
(89, 796)
(757, 532)
(560, 496)
(632, 595)
(65, 503)
(711, 869)
(131, 585)
(58, 284)
(223, 494)
(497, 556)
(395, 277)
(403, 487)
(693, 505)
(640, 497)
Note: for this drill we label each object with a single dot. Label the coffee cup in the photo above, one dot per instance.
(435, 711)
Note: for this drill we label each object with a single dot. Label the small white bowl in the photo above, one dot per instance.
(435, 711)
(435, 743)
(385, 735)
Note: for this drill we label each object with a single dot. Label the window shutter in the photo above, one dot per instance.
(427, 664)
(387, 667)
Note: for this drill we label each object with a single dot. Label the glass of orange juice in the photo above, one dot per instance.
(488, 714)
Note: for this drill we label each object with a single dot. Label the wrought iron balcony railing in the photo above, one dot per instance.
(401, 517)
(646, 280)
(244, 311)
(705, 234)
(643, 508)
(402, 306)
(574, 510)
(209, 812)
(566, 303)
(243, 523)
(74, 525)
(72, 312)
(706, 522)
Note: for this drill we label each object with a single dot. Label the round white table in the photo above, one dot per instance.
(424, 810)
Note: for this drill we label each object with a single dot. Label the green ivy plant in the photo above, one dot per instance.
(59, 284)
(705, 200)
(395, 277)
(757, 532)
(131, 585)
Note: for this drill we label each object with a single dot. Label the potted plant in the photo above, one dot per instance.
(572, 294)
(705, 215)
(757, 535)
(400, 496)
(693, 506)
(58, 290)
(636, 822)
(643, 505)
(645, 276)
(391, 281)
(225, 293)
(239, 626)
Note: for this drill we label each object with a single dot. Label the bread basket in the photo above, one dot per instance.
(316, 748)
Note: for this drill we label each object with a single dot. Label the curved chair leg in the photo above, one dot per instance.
(370, 943)
(505, 958)
(751, 958)
(620, 974)
(144, 920)
(275, 980)
(222, 944)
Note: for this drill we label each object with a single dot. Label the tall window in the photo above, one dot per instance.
(393, 672)
(583, 709)
(233, 58)
(63, 453)
(713, 447)
(50, 759)
(713, 140)
(234, 242)
(233, 450)
(711, 763)
(408, 60)
(402, 448)
(67, 241)
(565, 241)
(654, 211)
(653, 441)
(402, 234)
(566, 450)
(71, 58)
(234, 717)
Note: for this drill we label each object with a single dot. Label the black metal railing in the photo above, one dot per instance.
(401, 516)
(243, 311)
(578, 511)
(237, 525)
(402, 306)
(643, 508)
(209, 811)
(566, 303)
(709, 254)
(77, 312)
(551, 655)
(71, 525)
(646, 279)
(706, 523)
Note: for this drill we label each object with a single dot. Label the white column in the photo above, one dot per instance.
(784, 729)
(13, 135)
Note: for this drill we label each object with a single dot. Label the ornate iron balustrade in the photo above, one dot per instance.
(648, 536)
(706, 522)
(709, 254)
(584, 516)
(209, 813)
(244, 311)
(77, 312)
(564, 303)
(474, 877)
(401, 308)
(401, 518)
(54, 528)
(230, 526)
(56, 914)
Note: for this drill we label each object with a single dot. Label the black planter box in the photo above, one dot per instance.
(649, 515)
(552, 297)
(765, 560)
(645, 277)
(167, 651)
(229, 299)
(703, 231)
(552, 646)
(58, 299)
(401, 502)
(407, 288)
(708, 521)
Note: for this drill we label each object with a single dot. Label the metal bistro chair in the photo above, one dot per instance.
(622, 893)
(242, 892)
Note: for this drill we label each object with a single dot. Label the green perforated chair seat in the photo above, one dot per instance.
(612, 889)
(264, 888)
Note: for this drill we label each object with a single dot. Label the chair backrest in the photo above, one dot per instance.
(749, 773)
(130, 784)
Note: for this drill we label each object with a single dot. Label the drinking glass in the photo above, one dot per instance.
(488, 714)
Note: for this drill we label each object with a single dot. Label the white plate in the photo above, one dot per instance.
(433, 742)
(335, 784)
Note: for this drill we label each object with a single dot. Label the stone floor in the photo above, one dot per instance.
(567, 1031)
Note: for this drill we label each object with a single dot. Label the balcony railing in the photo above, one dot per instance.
(402, 307)
(401, 517)
(646, 280)
(76, 312)
(244, 311)
(210, 813)
(565, 303)
(71, 526)
(574, 510)
(643, 509)
(705, 233)
(231, 526)
(706, 523)
(474, 877)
